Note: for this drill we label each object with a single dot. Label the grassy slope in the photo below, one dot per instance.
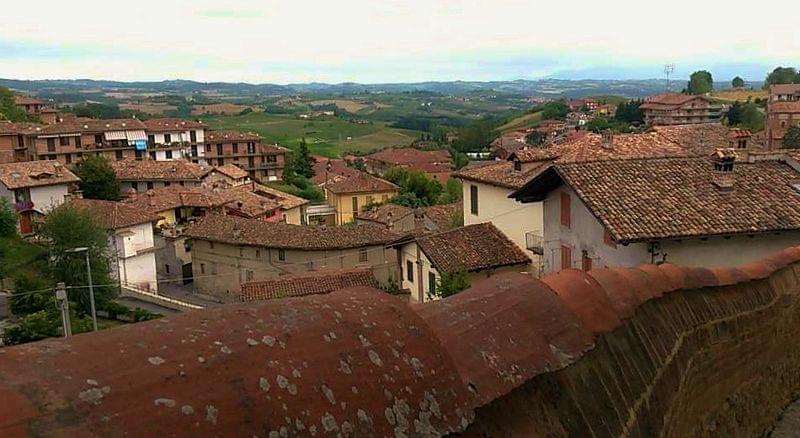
(731, 95)
(19, 255)
(325, 136)
(524, 121)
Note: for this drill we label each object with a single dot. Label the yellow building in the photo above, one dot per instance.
(350, 195)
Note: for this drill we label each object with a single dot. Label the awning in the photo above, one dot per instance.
(115, 135)
(136, 135)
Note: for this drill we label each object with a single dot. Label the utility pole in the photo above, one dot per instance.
(91, 292)
(668, 69)
(63, 305)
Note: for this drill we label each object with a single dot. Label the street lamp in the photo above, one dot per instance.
(85, 250)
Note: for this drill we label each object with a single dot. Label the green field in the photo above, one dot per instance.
(524, 121)
(328, 136)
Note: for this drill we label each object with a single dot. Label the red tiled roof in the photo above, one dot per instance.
(649, 199)
(27, 100)
(171, 124)
(441, 216)
(152, 170)
(35, 174)
(472, 248)
(15, 128)
(113, 215)
(668, 100)
(166, 198)
(314, 283)
(339, 170)
(232, 171)
(86, 125)
(498, 173)
(249, 232)
(411, 156)
(286, 201)
(361, 182)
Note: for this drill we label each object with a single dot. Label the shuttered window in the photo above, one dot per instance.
(566, 210)
(473, 200)
(566, 257)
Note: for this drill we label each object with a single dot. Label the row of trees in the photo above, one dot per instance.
(418, 189)
(9, 110)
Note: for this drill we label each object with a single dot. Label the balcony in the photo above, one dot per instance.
(534, 242)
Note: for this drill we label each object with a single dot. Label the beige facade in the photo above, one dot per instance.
(220, 268)
(519, 222)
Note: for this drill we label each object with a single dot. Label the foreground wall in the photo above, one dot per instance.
(648, 351)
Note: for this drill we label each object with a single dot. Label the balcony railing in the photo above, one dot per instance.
(534, 241)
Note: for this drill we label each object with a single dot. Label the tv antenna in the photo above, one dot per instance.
(668, 70)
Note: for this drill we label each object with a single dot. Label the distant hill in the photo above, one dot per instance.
(543, 87)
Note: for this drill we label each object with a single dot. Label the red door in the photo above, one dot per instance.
(25, 225)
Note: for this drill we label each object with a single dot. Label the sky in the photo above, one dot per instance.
(380, 41)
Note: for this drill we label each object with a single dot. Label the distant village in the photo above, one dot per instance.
(199, 222)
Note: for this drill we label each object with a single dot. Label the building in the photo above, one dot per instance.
(142, 175)
(348, 196)
(227, 175)
(228, 251)
(783, 111)
(37, 108)
(436, 163)
(693, 211)
(68, 141)
(480, 250)
(34, 188)
(329, 170)
(423, 220)
(16, 140)
(507, 143)
(172, 138)
(245, 150)
(130, 241)
(679, 109)
(311, 283)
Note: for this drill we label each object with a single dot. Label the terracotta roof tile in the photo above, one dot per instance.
(285, 200)
(86, 125)
(440, 215)
(151, 170)
(361, 182)
(339, 170)
(232, 171)
(473, 248)
(15, 128)
(228, 136)
(676, 197)
(166, 198)
(113, 215)
(498, 173)
(27, 100)
(35, 174)
(411, 156)
(668, 100)
(171, 124)
(240, 231)
(321, 282)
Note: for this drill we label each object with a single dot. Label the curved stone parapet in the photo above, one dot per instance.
(649, 351)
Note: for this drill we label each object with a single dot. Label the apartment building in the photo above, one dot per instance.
(130, 241)
(245, 150)
(37, 108)
(783, 111)
(137, 176)
(34, 188)
(16, 140)
(172, 139)
(713, 211)
(228, 251)
(68, 141)
(679, 109)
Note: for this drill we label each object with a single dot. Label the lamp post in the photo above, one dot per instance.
(85, 250)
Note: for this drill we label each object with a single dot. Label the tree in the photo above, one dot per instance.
(417, 188)
(535, 138)
(98, 180)
(8, 218)
(737, 82)
(451, 283)
(700, 82)
(734, 115)
(66, 228)
(751, 117)
(31, 294)
(791, 139)
(9, 110)
(452, 191)
(303, 162)
(555, 110)
(629, 112)
(782, 75)
(600, 124)
(474, 137)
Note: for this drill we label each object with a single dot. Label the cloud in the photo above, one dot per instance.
(380, 40)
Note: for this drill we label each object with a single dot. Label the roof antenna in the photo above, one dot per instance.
(668, 70)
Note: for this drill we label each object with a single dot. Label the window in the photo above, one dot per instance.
(566, 257)
(362, 255)
(251, 147)
(63, 141)
(211, 245)
(282, 255)
(410, 271)
(202, 268)
(166, 268)
(138, 155)
(167, 138)
(51, 145)
(151, 140)
(98, 138)
(168, 154)
(473, 200)
(783, 123)
(566, 210)
(432, 283)
(135, 185)
(235, 147)
(220, 161)
(152, 155)
(251, 162)
(517, 165)
(68, 158)
(586, 262)
(208, 148)
(608, 239)
(118, 155)
(355, 204)
(149, 185)
(166, 183)
(78, 141)
(258, 254)
(193, 136)
(272, 158)
(187, 245)
(248, 275)
(219, 149)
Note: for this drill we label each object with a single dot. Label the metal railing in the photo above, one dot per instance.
(534, 242)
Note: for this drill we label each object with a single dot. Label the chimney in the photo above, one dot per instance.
(723, 175)
(151, 198)
(608, 139)
(58, 168)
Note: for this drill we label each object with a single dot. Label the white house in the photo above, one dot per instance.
(172, 139)
(130, 241)
(34, 188)
(697, 211)
(479, 250)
